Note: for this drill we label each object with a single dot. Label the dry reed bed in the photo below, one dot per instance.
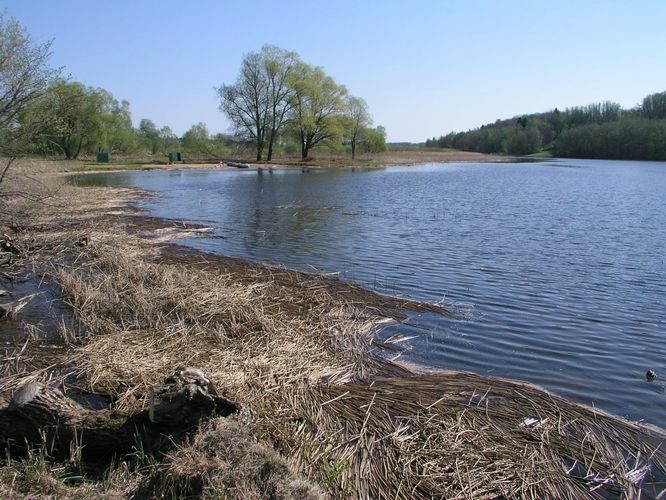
(460, 435)
(300, 357)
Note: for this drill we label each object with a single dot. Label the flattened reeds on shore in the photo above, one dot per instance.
(296, 351)
(460, 435)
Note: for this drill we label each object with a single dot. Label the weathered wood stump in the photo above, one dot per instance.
(186, 397)
(39, 412)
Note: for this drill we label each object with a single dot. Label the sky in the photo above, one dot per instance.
(425, 68)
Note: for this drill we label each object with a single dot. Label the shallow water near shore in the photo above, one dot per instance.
(556, 271)
(43, 313)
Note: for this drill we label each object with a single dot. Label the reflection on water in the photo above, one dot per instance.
(557, 274)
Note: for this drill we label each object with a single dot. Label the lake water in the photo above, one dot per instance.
(556, 270)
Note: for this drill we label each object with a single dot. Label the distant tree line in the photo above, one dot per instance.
(75, 120)
(278, 103)
(277, 99)
(86, 120)
(602, 130)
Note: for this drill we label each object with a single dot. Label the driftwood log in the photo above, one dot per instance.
(40, 413)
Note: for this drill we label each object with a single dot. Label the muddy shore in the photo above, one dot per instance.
(323, 410)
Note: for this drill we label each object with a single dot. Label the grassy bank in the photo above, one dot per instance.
(325, 414)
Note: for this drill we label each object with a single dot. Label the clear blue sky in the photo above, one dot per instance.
(424, 67)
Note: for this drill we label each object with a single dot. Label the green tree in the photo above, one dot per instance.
(218, 145)
(627, 139)
(117, 133)
(356, 120)
(525, 141)
(654, 106)
(150, 135)
(197, 139)
(84, 119)
(24, 78)
(318, 104)
(77, 123)
(168, 140)
(373, 140)
(556, 121)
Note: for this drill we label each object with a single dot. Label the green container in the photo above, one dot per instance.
(175, 156)
(102, 157)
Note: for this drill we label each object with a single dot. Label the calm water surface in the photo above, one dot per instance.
(556, 270)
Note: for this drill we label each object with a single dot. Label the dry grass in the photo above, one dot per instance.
(394, 157)
(224, 459)
(297, 352)
(37, 477)
(459, 435)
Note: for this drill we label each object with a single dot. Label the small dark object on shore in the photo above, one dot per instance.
(237, 164)
(650, 375)
(7, 244)
(6, 258)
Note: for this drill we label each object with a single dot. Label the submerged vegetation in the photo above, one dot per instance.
(604, 131)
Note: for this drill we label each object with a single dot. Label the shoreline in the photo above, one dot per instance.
(297, 351)
(377, 161)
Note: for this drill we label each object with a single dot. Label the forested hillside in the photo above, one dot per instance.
(602, 130)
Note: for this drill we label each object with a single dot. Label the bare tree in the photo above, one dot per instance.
(258, 103)
(246, 102)
(24, 77)
(278, 64)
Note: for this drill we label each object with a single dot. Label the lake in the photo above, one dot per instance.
(555, 270)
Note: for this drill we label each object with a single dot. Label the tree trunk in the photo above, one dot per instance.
(260, 143)
(260, 150)
(305, 146)
(353, 147)
(78, 150)
(38, 412)
(66, 149)
(269, 157)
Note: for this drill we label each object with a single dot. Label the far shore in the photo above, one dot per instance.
(407, 157)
